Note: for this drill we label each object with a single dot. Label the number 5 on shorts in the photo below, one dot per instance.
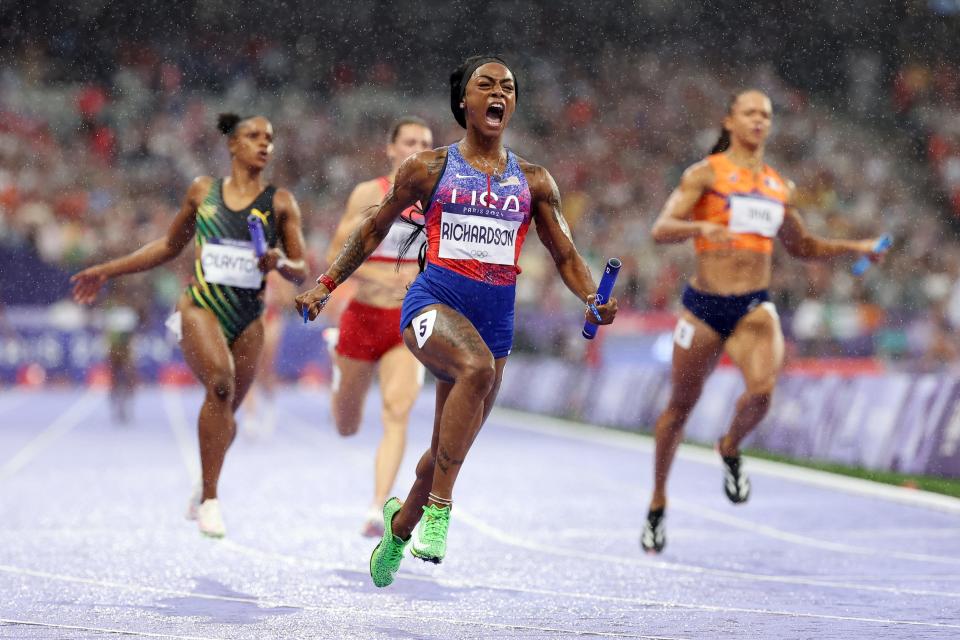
(423, 326)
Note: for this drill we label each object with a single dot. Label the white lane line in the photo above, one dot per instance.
(894, 532)
(523, 421)
(178, 424)
(927, 577)
(706, 513)
(297, 561)
(62, 425)
(785, 536)
(122, 632)
(180, 427)
(517, 541)
(506, 538)
(346, 611)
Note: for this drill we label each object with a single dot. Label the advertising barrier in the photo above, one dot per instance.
(69, 346)
(883, 421)
(850, 412)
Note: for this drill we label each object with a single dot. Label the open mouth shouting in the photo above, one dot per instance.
(495, 113)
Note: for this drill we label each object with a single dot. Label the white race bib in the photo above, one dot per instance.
(683, 333)
(389, 249)
(755, 215)
(233, 265)
(489, 239)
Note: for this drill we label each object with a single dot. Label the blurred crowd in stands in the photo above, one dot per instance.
(96, 155)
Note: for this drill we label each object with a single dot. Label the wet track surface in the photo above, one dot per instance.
(543, 540)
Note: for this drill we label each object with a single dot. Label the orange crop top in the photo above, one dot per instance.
(752, 206)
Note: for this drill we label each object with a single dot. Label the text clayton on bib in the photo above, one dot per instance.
(755, 215)
(233, 265)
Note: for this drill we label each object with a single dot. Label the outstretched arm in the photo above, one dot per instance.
(87, 283)
(800, 243)
(289, 262)
(554, 233)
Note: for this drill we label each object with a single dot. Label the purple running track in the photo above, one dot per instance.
(543, 540)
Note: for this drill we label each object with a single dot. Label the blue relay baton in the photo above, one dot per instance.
(255, 225)
(860, 266)
(603, 294)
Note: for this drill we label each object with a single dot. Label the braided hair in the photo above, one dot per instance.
(723, 142)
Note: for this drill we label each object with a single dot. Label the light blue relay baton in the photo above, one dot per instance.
(883, 243)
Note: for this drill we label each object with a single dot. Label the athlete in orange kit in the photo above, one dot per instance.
(733, 205)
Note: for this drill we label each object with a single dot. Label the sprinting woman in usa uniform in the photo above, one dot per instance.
(369, 334)
(457, 317)
(732, 205)
(220, 312)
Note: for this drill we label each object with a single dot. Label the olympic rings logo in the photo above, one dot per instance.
(480, 254)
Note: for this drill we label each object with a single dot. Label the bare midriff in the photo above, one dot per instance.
(731, 272)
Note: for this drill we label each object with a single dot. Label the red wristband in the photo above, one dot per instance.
(327, 281)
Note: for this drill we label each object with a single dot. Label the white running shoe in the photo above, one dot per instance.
(194, 504)
(210, 520)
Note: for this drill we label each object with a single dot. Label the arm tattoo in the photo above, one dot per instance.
(351, 256)
(435, 166)
(354, 251)
(445, 460)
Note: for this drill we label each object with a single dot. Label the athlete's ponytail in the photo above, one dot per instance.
(227, 123)
(723, 142)
(408, 242)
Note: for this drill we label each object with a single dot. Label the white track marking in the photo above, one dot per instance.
(516, 541)
(178, 425)
(332, 566)
(523, 421)
(883, 532)
(794, 538)
(935, 577)
(181, 432)
(756, 528)
(297, 561)
(531, 423)
(269, 603)
(122, 632)
(62, 425)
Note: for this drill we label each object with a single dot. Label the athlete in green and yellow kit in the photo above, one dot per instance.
(219, 313)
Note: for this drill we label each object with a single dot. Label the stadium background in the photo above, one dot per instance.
(107, 112)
